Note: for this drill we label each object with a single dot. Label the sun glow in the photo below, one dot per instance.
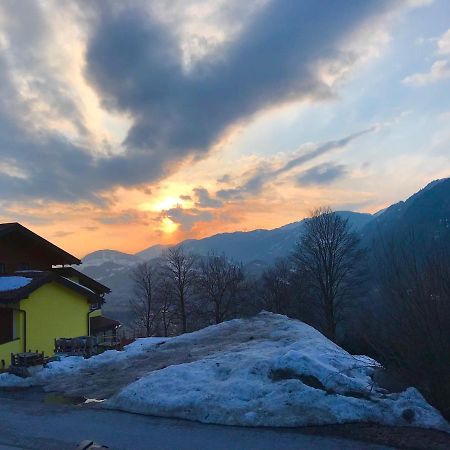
(168, 226)
(162, 204)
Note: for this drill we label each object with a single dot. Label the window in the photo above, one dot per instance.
(24, 266)
(6, 325)
(2, 268)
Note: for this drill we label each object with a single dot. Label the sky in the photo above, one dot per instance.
(127, 124)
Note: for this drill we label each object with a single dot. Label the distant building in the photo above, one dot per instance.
(43, 298)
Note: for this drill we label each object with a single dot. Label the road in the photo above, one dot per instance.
(28, 422)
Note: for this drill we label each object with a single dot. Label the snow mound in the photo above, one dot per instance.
(12, 381)
(292, 376)
(69, 365)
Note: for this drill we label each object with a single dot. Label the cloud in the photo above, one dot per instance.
(134, 64)
(443, 43)
(123, 217)
(224, 178)
(204, 199)
(440, 70)
(90, 228)
(322, 174)
(268, 173)
(187, 217)
(61, 234)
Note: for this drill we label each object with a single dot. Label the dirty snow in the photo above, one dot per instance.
(12, 381)
(69, 365)
(11, 283)
(296, 377)
(265, 371)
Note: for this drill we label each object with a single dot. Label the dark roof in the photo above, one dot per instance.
(101, 323)
(38, 279)
(89, 282)
(64, 257)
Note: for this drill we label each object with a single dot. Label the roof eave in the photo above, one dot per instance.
(67, 259)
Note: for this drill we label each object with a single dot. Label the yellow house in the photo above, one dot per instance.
(40, 302)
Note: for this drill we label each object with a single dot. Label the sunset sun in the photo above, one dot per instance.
(168, 226)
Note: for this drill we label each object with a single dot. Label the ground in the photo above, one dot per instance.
(28, 422)
(32, 419)
(268, 371)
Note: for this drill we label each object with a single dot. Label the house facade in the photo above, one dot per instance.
(42, 297)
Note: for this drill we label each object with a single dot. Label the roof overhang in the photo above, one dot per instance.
(61, 256)
(85, 280)
(102, 323)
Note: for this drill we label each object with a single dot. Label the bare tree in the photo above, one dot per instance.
(411, 333)
(142, 302)
(180, 270)
(329, 253)
(276, 287)
(220, 282)
(165, 300)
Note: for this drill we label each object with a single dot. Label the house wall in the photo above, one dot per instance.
(92, 312)
(96, 313)
(54, 311)
(15, 346)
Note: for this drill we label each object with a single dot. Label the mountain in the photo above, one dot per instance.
(426, 214)
(255, 249)
(101, 257)
(155, 251)
(262, 245)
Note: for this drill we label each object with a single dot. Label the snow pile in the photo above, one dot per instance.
(69, 365)
(143, 344)
(265, 371)
(12, 381)
(10, 283)
(284, 373)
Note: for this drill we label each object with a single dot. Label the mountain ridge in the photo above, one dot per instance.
(98, 257)
(427, 211)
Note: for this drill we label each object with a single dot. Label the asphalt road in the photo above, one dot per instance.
(28, 422)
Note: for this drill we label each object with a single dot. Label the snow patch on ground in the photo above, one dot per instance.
(12, 381)
(297, 377)
(68, 365)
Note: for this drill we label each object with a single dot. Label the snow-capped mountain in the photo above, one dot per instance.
(248, 246)
(255, 249)
(155, 251)
(101, 257)
(427, 213)
(243, 246)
